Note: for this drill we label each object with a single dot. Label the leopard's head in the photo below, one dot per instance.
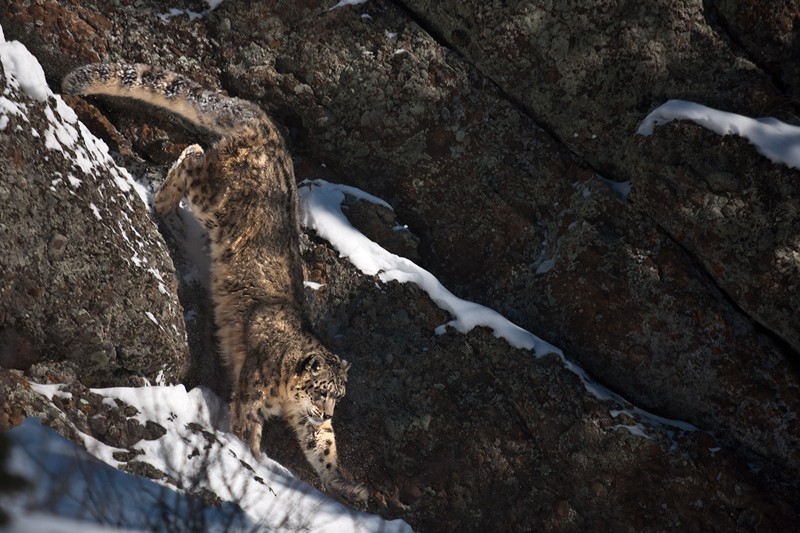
(318, 382)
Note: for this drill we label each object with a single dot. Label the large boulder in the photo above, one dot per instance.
(88, 288)
(465, 433)
(613, 62)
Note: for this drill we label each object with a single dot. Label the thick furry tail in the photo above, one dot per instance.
(208, 109)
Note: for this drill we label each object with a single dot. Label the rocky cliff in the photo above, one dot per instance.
(504, 136)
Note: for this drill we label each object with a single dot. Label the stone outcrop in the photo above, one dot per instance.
(589, 75)
(465, 433)
(88, 288)
(613, 65)
(462, 432)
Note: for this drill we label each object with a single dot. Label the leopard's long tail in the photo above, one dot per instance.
(208, 109)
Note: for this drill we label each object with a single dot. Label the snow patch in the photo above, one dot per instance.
(321, 203)
(634, 429)
(51, 391)
(96, 211)
(8, 107)
(70, 483)
(313, 285)
(621, 189)
(775, 140)
(22, 70)
(73, 484)
(193, 15)
(28, 522)
(546, 266)
(343, 3)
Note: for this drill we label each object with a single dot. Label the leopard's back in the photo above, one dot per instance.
(250, 194)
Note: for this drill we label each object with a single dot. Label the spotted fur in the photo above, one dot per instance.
(243, 190)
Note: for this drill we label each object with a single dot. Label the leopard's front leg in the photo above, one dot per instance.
(319, 446)
(247, 422)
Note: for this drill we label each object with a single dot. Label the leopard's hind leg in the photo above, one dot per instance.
(189, 168)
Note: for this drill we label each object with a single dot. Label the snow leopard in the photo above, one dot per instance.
(242, 189)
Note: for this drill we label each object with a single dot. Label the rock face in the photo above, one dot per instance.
(86, 279)
(612, 65)
(504, 136)
(695, 198)
(767, 30)
(461, 432)
(430, 131)
(481, 436)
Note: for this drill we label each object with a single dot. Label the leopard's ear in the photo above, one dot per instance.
(313, 363)
(345, 365)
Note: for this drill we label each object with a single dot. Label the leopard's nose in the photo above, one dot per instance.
(326, 416)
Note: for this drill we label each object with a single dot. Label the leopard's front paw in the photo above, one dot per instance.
(349, 490)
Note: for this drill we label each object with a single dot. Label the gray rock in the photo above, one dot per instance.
(86, 278)
(767, 30)
(463, 432)
(589, 74)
